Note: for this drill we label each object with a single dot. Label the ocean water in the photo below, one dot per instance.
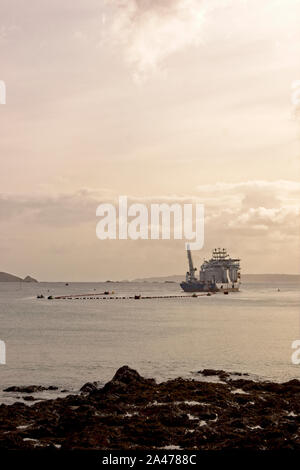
(69, 342)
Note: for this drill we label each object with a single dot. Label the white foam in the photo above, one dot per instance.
(192, 418)
(170, 447)
(292, 414)
(240, 391)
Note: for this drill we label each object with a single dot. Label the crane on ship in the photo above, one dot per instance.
(190, 275)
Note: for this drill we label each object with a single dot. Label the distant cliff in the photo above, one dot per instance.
(29, 279)
(5, 277)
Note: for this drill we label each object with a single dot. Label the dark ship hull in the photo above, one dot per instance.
(197, 286)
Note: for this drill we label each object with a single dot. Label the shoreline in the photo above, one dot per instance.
(136, 413)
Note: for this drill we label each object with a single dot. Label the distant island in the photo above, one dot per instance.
(6, 277)
(246, 278)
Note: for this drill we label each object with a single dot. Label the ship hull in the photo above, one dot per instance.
(201, 287)
(197, 287)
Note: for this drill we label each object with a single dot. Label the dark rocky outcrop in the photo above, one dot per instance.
(29, 388)
(89, 386)
(222, 374)
(211, 372)
(29, 398)
(133, 412)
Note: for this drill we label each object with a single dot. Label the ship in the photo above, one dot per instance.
(220, 273)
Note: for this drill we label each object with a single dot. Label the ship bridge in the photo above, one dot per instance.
(220, 268)
(220, 254)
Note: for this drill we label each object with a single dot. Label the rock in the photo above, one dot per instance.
(211, 372)
(292, 385)
(125, 378)
(221, 373)
(25, 389)
(29, 398)
(173, 416)
(29, 388)
(89, 386)
(134, 412)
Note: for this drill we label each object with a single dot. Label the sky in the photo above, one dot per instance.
(162, 100)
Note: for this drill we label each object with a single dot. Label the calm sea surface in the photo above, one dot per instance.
(69, 342)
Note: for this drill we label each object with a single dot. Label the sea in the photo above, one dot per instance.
(68, 342)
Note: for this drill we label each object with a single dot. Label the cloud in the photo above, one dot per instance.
(62, 210)
(151, 30)
(254, 193)
(260, 217)
(250, 205)
(257, 220)
(252, 210)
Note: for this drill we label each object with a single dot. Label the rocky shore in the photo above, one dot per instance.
(132, 412)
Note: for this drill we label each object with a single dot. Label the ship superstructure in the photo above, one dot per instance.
(219, 273)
